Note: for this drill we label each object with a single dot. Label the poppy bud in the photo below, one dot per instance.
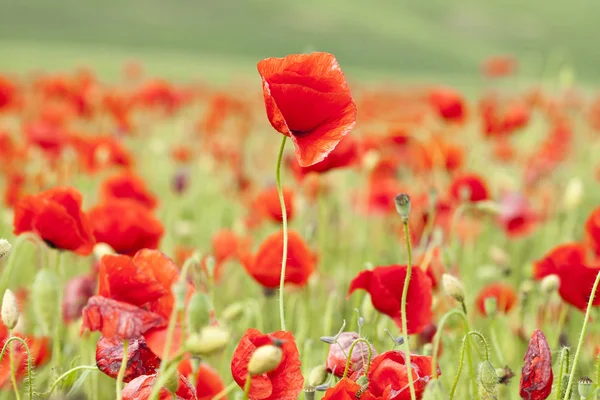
(526, 288)
(210, 340)
(453, 287)
(10, 310)
(584, 387)
(370, 159)
(44, 295)
(490, 306)
(402, 202)
(328, 339)
(488, 380)
(317, 376)
(232, 312)
(102, 249)
(198, 312)
(573, 194)
(5, 248)
(265, 359)
(550, 284)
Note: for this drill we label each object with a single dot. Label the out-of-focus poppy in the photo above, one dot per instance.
(469, 187)
(499, 66)
(98, 152)
(267, 205)
(592, 231)
(56, 217)
(385, 285)
(347, 389)
(338, 352)
(536, 375)
(308, 100)
(208, 381)
(345, 154)
(127, 186)
(77, 292)
(265, 266)
(516, 216)
(8, 92)
(125, 225)
(505, 295)
(140, 359)
(141, 387)
(448, 104)
(284, 382)
(389, 373)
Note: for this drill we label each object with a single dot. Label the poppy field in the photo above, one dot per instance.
(298, 234)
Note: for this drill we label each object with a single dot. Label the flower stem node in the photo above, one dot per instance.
(10, 309)
(584, 387)
(453, 287)
(265, 359)
(210, 340)
(402, 202)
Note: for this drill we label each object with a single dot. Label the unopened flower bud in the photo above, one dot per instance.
(44, 296)
(210, 340)
(488, 379)
(102, 249)
(180, 181)
(526, 287)
(210, 266)
(198, 312)
(453, 287)
(232, 312)
(5, 248)
(573, 194)
(550, 284)
(265, 359)
(317, 376)
(563, 388)
(10, 309)
(402, 202)
(584, 387)
(328, 339)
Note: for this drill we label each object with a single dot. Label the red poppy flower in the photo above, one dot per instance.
(127, 186)
(385, 285)
(592, 231)
(140, 359)
(141, 387)
(536, 375)
(77, 292)
(345, 154)
(208, 381)
(449, 104)
(347, 389)
(307, 98)
(470, 185)
(265, 266)
(337, 356)
(284, 382)
(97, 152)
(389, 373)
(569, 262)
(39, 347)
(267, 204)
(505, 296)
(516, 216)
(125, 225)
(56, 217)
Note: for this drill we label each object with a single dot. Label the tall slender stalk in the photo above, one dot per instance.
(122, 370)
(411, 384)
(285, 233)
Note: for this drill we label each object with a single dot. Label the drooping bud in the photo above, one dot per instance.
(210, 340)
(453, 287)
(265, 359)
(490, 306)
(198, 312)
(10, 309)
(488, 380)
(584, 387)
(550, 284)
(5, 248)
(573, 194)
(232, 312)
(402, 202)
(317, 376)
(44, 296)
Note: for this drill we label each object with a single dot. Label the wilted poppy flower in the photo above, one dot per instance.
(385, 285)
(127, 186)
(592, 231)
(265, 266)
(140, 359)
(284, 382)
(347, 389)
(505, 296)
(569, 263)
(389, 375)
(449, 104)
(307, 99)
(536, 375)
(125, 225)
(56, 217)
(141, 387)
(77, 292)
(469, 187)
(338, 352)
(516, 216)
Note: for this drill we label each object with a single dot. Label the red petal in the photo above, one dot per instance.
(536, 378)
(140, 360)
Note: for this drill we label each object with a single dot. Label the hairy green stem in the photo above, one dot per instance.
(13, 372)
(8, 345)
(485, 344)
(564, 368)
(460, 366)
(122, 370)
(411, 384)
(438, 336)
(349, 357)
(285, 232)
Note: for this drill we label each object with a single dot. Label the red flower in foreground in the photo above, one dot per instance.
(449, 104)
(140, 359)
(308, 100)
(592, 231)
(283, 383)
(265, 266)
(141, 387)
(505, 296)
(56, 217)
(125, 225)
(389, 375)
(337, 356)
(385, 285)
(536, 375)
(127, 186)
(347, 389)
(569, 262)
(469, 187)
(38, 347)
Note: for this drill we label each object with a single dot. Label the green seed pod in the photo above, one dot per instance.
(44, 296)
(10, 309)
(488, 380)
(210, 340)
(232, 312)
(584, 387)
(317, 376)
(198, 312)
(265, 359)
(402, 202)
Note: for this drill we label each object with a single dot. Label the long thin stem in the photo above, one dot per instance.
(122, 370)
(247, 387)
(411, 384)
(13, 373)
(564, 368)
(29, 359)
(225, 392)
(438, 336)
(285, 233)
(495, 343)
(582, 335)
(349, 357)
(56, 351)
(460, 366)
(66, 374)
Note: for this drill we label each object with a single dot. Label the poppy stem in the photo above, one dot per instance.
(460, 366)
(29, 361)
(247, 387)
(56, 351)
(13, 373)
(121, 374)
(438, 337)
(223, 393)
(349, 358)
(582, 335)
(495, 343)
(285, 232)
(411, 384)
(564, 368)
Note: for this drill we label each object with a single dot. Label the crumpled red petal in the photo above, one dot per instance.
(140, 360)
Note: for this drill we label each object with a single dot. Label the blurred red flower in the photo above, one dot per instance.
(77, 292)
(536, 375)
(449, 104)
(266, 205)
(125, 225)
(516, 216)
(347, 389)
(505, 295)
(385, 285)
(208, 380)
(338, 352)
(499, 66)
(307, 99)
(127, 186)
(56, 217)
(470, 187)
(592, 231)
(140, 388)
(284, 382)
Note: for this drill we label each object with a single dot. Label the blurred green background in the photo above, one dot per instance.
(371, 38)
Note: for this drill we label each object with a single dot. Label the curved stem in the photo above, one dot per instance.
(13, 374)
(438, 336)
(247, 387)
(63, 376)
(122, 370)
(349, 358)
(460, 366)
(411, 384)
(285, 233)
(485, 344)
(582, 334)
(564, 367)
(225, 392)
(29, 360)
